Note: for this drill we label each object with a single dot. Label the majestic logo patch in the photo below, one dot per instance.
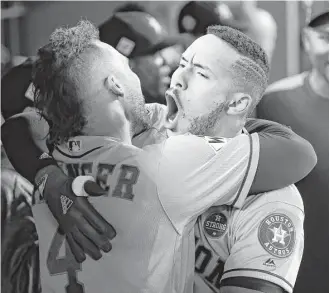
(277, 235)
(270, 263)
(74, 145)
(215, 225)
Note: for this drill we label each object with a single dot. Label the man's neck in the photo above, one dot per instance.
(228, 128)
(121, 133)
(319, 84)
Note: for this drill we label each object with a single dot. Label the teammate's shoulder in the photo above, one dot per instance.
(286, 84)
(287, 196)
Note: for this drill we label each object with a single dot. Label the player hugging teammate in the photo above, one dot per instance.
(201, 160)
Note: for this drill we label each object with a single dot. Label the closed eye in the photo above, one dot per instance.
(203, 75)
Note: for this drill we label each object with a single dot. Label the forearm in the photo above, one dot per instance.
(285, 158)
(21, 150)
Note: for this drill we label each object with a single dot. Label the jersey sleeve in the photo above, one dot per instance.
(285, 158)
(198, 172)
(268, 243)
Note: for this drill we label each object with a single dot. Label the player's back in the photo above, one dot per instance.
(154, 197)
(140, 255)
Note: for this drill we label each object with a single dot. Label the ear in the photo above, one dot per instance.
(239, 104)
(114, 86)
(305, 39)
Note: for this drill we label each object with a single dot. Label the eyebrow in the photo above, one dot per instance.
(198, 65)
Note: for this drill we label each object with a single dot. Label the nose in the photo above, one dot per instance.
(180, 79)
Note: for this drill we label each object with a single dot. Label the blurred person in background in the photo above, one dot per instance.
(302, 102)
(244, 16)
(141, 38)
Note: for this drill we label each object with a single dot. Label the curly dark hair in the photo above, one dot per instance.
(252, 69)
(56, 79)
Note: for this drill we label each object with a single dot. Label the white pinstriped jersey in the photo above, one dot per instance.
(263, 240)
(154, 198)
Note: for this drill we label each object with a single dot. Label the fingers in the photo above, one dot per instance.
(75, 249)
(95, 219)
(87, 246)
(99, 240)
(93, 189)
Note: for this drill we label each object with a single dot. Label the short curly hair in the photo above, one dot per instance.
(251, 71)
(56, 76)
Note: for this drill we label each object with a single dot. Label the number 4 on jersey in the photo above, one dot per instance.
(66, 264)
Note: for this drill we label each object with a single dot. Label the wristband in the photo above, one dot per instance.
(78, 185)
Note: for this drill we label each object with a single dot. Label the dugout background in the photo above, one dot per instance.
(24, 35)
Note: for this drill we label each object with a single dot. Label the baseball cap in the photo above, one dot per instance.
(136, 34)
(319, 20)
(196, 16)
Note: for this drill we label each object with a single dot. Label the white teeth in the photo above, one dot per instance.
(170, 120)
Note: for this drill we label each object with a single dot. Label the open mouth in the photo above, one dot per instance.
(172, 106)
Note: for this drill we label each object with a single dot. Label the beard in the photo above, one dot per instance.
(206, 124)
(137, 113)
